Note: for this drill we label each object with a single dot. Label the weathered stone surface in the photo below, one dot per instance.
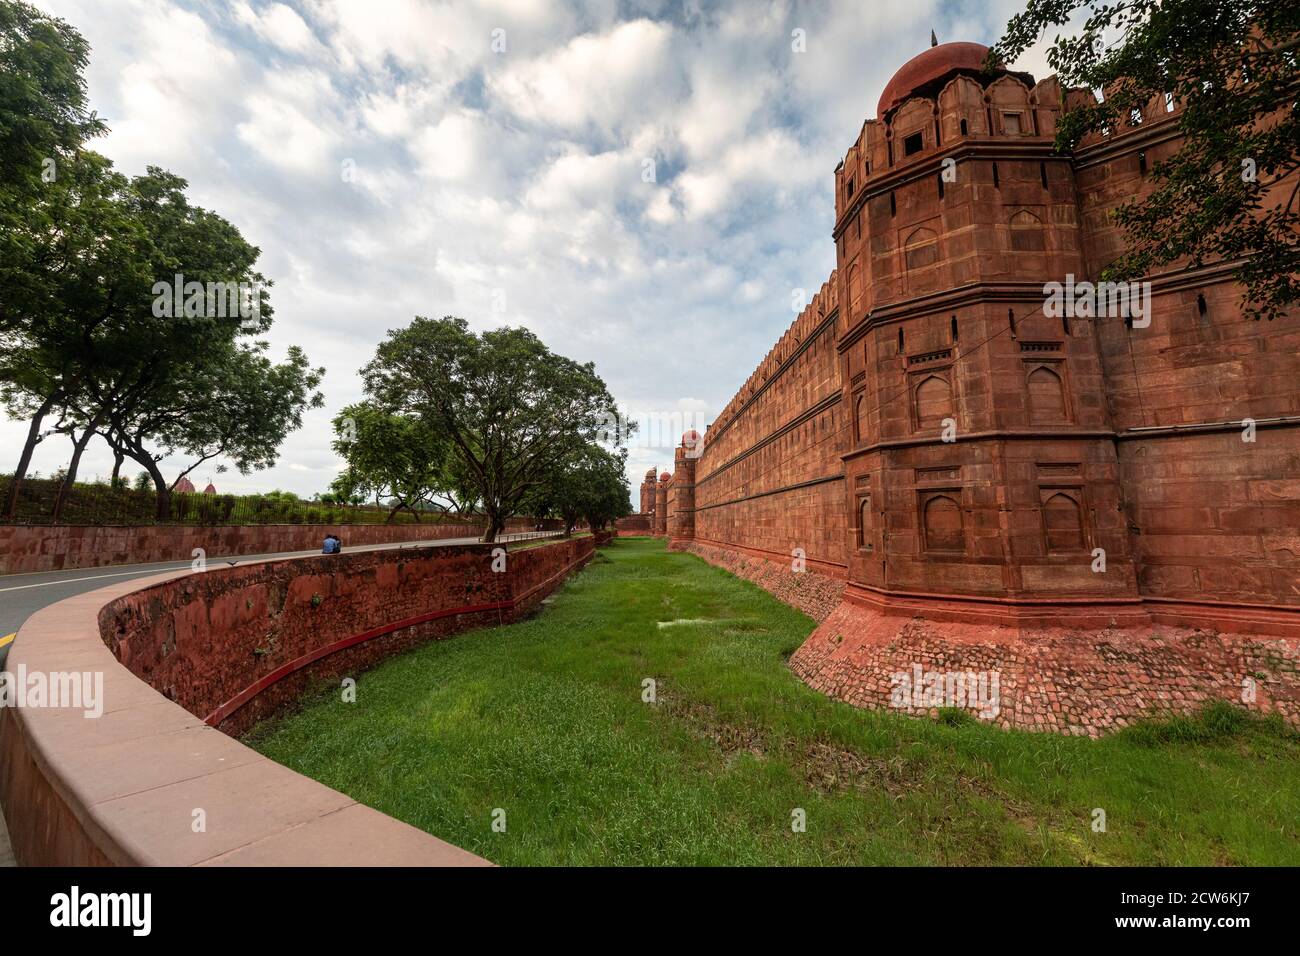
(815, 594)
(1085, 682)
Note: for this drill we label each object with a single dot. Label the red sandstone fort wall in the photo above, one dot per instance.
(1069, 433)
(1213, 516)
(770, 479)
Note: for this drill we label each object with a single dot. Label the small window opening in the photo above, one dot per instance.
(995, 176)
(964, 127)
(913, 144)
(953, 326)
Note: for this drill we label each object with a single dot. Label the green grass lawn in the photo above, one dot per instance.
(544, 719)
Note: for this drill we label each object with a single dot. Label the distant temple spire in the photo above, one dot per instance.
(934, 40)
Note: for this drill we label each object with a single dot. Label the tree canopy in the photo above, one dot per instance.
(591, 485)
(83, 341)
(1230, 191)
(511, 411)
(397, 458)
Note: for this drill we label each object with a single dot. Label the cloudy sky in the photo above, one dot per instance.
(489, 159)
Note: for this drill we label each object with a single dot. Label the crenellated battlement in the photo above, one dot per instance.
(824, 303)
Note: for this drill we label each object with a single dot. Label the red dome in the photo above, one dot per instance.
(934, 63)
(211, 489)
(665, 476)
(185, 485)
(691, 438)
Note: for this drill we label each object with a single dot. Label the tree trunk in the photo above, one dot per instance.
(495, 525)
(118, 457)
(25, 459)
(162, 509)
(70, 478)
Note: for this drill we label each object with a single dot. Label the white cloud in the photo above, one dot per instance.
(279, 25)
(510, 178)
(454, 148)
(603, 79)
(290, 123)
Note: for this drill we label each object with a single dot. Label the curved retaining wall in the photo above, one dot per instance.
(26, 549)
(188, 653)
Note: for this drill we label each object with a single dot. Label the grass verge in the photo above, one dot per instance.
(545, 719)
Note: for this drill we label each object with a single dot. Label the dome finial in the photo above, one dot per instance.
(934, 40)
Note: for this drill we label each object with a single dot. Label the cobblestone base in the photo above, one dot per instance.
(1079, 682)
(817, 595)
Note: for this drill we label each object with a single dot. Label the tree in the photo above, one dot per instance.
(44, 122)
(394, 457)
(44, 117)
(509, 408)
(1230, 191)
(235, 404)
(590, 485)
(195, 388)
(70, 281)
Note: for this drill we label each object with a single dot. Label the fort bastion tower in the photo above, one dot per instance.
(981, 462)
(933, 437)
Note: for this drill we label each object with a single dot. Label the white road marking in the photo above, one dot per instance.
(93, 577)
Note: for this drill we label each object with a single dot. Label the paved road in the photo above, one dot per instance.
(23, 594)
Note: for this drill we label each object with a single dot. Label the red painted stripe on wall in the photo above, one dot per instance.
(311, 657)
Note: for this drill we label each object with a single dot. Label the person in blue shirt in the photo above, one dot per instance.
(332, 544)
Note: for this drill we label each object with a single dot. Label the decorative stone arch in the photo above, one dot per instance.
(1007, 91)
(943, 523)
(1009, 109)
(1062, 513)
(932, 401)
(855, 288)
(859, 417)
(866, 523)
(962, 99)
(914, 116)
(1045, 99)
(1027, 233)
(1047, 395)
(921, 248)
